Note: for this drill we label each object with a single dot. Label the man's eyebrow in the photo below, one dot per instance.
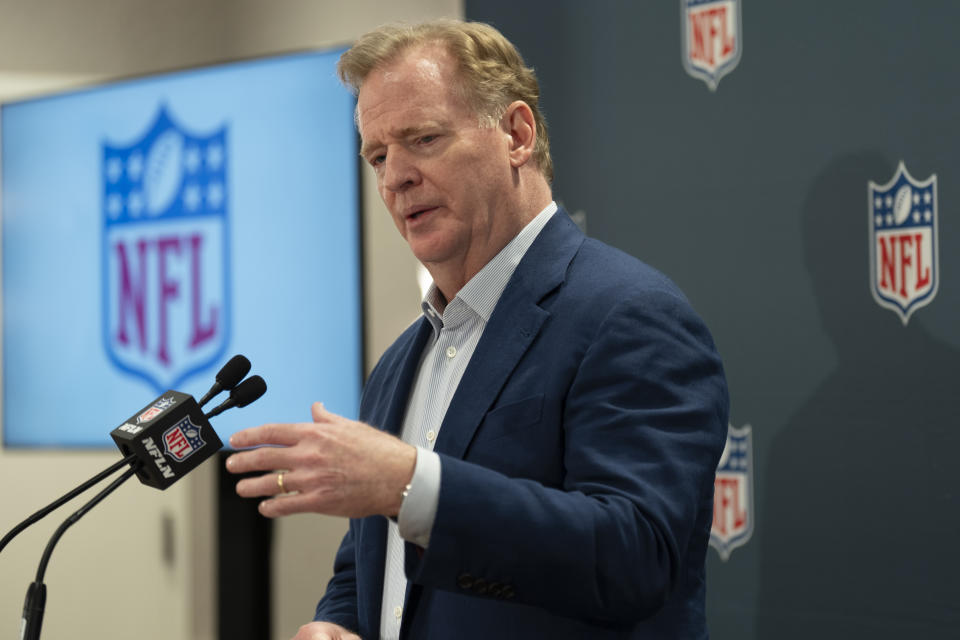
(366, 148)
(407, 132)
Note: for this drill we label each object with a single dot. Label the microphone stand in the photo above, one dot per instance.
(64, 499)
(36, 599)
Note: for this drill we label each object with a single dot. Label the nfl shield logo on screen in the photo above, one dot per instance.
(733, 493)
(712, 38)
(165, 251)
(904, 257)
(182, 440)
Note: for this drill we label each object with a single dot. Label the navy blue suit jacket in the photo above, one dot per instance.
(578, 456)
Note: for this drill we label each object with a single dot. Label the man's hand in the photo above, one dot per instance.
(332, 466)
(324, 631)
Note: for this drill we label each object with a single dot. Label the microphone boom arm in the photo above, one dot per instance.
(33, 606)
(64, 499)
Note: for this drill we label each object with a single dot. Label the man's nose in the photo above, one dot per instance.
(399, 171)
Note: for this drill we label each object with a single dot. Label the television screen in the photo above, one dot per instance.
(153, 228)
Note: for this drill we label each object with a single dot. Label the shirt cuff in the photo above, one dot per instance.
(419, 509)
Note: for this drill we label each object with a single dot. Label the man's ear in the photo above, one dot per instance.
(519, 125)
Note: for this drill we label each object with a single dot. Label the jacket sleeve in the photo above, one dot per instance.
(643, 423)
(339, 603)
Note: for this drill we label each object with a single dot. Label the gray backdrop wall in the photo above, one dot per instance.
(754, 198)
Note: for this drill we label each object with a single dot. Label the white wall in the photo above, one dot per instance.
(108, 575)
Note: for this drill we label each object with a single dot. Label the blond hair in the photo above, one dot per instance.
(491, 71)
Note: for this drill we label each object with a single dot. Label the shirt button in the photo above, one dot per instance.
(398, 612)
(431, 435)
(451, 351)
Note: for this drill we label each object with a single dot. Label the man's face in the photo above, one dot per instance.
(444, 179)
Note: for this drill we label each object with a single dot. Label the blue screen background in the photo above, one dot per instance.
(293, 233)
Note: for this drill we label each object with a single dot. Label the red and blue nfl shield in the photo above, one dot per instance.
(156, 409)
(166, 252)
(712, 38)
(733, 493)
(904, 257)
(182, 440)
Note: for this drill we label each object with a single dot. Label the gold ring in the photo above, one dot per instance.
(280, 482)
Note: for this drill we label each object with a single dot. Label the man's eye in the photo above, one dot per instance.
(427, 139)
(377, 160)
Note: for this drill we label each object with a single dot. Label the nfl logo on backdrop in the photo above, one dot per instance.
(733, 494)
(712, 38)
(904, 256)
(165, 252)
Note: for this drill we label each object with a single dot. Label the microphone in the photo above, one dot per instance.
(170, 437)
(228, 377)
(245, 393)
(163, 442)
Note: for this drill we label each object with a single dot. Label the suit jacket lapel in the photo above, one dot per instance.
(397, 391)
(515, 322)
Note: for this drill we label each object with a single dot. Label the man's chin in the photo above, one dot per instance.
(430, 247)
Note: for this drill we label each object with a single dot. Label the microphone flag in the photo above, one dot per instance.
(170, 437)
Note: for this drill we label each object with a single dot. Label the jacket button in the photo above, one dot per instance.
(465, 581)
(496, 589)
(480, 586)
(508, 592)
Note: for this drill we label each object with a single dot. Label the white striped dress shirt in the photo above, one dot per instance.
(456, 332)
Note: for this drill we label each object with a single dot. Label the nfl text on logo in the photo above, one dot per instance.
(904, 256)
(733, 514)
(712, 38)
(182, 440)
(166, 252)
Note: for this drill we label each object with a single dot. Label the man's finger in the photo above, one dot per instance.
(279, 433)
(263, 459)
(324, 631)
(286, 505)
(319, 412)
(266, 485)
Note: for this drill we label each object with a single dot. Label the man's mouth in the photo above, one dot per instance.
(413, 215)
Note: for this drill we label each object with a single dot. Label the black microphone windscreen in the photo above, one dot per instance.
(248, 391)
(233, 372)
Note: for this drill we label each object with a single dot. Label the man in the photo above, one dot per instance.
(561, 409)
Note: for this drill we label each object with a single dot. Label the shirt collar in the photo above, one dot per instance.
(483, 291)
